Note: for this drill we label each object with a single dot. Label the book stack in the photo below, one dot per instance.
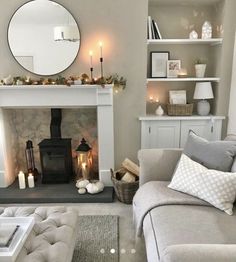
(153, 31)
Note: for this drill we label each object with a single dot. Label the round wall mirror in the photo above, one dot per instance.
(43, 37)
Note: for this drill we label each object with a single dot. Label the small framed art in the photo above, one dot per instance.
(173, 68)
(159, 64)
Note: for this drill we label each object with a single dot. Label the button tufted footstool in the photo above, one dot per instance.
(53, 236)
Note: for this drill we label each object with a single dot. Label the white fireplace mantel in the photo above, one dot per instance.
(59, 96)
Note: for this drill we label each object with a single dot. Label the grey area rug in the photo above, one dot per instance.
(97, 236)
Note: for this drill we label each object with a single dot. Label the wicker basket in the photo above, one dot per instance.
(180, 110)
(124, 191)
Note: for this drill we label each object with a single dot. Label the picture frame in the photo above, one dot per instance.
(173, 68)
(158, 63)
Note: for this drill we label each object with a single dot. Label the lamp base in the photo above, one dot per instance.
(203, 108)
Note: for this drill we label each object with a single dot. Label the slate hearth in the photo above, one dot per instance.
(48, 193)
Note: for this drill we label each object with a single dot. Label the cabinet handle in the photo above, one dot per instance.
(149, 130)
(212, 125)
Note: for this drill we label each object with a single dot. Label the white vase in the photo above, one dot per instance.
(159, 111)
(200, 70)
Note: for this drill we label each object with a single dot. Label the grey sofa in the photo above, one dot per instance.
(176, 226)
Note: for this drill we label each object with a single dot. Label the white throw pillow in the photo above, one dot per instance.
(216, 187)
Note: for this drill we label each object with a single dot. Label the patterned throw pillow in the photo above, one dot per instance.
(216, 187)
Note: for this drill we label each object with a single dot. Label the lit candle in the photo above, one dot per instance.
(91, 58)
(157, 100)
(21, 179)
(84, 171)
(100, 44)
(30, 180)
(151, 98)
(182, 73)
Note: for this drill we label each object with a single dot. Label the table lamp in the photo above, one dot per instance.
(203, 91)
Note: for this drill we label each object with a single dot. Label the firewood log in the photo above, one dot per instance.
(131, 167)
(128, 177)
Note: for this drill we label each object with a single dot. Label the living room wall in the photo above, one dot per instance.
(124, 35)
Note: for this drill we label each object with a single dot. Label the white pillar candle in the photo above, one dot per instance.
(31, 180)
(84, 171)
(101, 44)
(21, 179)
(91, 58)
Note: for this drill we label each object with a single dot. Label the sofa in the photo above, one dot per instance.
(53, 236)
(178, 227)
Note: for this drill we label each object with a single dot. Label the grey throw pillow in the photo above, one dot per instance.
(217, 155)
(232, 138)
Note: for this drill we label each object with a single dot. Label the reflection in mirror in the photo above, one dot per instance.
(44, 37)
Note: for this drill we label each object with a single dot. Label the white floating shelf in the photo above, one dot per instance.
(188, 79)
(212, 41)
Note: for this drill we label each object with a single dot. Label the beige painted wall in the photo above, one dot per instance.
(232, 104)
(122, 26)
(223, 92)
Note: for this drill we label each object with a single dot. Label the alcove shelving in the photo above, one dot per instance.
(187, 79)
(212, 41)
(176, 19)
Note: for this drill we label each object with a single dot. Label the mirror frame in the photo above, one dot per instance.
(58, 73)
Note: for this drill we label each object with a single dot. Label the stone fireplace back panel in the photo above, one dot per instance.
(34, 124)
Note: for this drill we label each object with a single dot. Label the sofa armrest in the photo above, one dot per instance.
(157, 164)
(199, 253)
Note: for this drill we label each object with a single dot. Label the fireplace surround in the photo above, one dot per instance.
(57, 96)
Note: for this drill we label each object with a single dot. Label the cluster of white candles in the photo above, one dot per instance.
(153, 100)
(21, 179)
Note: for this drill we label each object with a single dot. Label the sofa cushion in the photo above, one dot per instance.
(185, 224)
(52, 238)
(216, 187)
(217, 155)
(232, 138)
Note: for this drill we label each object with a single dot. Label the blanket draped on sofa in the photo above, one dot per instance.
(155, 194)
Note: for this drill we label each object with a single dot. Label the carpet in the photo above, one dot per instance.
(97, 239)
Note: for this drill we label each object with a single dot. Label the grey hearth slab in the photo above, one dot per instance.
(52, 193)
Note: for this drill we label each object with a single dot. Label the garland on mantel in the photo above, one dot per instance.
(118, 82)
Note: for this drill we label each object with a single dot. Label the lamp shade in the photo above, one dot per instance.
(203, 90)
(66, 33)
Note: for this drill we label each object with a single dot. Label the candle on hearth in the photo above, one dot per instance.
(101, 45)
(31, 180)
(84, 171)
(21, 179)
(91, 58)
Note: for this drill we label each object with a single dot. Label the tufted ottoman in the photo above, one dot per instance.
(53, 236)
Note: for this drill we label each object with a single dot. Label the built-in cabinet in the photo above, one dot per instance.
(172, 132)
(175, 21)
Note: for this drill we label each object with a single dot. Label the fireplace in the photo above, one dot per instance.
(55, 154)
(58, 96)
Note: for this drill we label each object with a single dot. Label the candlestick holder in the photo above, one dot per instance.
(101, 61)
(91, 73)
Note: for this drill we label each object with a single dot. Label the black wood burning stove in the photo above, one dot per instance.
(55, 153)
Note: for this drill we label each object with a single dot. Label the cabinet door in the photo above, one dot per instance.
(203, 128)
(160, 134)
